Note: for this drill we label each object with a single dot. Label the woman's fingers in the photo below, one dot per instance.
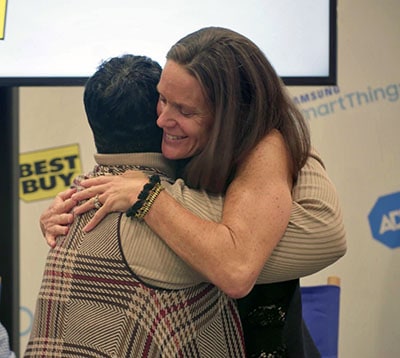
(84, 207)
(66, 194)
(100, 214)
(66, 208)
(53, 232)
(103, 179)
(56, 219)
(54, 224)
(88, 193)
(108, 194)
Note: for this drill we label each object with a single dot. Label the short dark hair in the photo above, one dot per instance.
(248, 101)
(120, 101)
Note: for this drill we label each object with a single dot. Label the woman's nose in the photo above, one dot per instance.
(165, 119)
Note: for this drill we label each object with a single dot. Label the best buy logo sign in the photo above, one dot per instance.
(384, 220)
(3, 7)
(44, 173)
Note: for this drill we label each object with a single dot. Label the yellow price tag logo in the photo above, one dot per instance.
(44, 173)
(3, 7)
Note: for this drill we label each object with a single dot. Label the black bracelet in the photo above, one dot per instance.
(145, 198)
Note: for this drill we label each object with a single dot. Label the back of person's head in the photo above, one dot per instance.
(120, 101)
(248, 100)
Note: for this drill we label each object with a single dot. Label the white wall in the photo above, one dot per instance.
(49, 118)
(361, 148)
(359, 144)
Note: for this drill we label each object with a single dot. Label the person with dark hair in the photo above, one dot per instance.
(119, 99)
(235, 132)
(119, 291)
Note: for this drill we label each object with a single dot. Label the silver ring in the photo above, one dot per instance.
(97, 204)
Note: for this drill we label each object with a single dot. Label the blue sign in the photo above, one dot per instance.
(384, 220)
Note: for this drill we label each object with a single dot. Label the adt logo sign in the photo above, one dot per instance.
(384, 220)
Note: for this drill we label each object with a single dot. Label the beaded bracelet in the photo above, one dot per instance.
(146, 198)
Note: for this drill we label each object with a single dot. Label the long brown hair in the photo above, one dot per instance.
(248, 100)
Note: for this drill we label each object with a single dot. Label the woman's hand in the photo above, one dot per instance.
(113, 192)
(55, 220)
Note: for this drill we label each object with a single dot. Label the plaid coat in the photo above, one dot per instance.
(91, 304)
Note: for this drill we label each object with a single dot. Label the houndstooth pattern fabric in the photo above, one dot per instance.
(4, 343)
(91, 304)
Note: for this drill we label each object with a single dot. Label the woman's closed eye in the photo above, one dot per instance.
(187, 112)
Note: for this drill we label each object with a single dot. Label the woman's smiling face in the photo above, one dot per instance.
(183, 113)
